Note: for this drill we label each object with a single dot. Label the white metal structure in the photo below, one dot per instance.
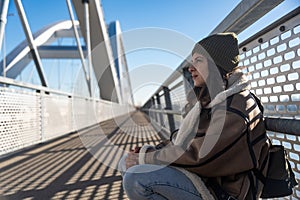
(31, 114)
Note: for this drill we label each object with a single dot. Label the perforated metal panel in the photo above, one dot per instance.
(178, 97)
(57, 116)
(19, 119)
(83, 113)
(273, 64)
(28, 118)
(273, 67)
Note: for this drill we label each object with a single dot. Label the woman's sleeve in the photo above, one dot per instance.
(205, 155)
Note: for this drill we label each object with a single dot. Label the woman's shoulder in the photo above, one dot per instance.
(243, 101)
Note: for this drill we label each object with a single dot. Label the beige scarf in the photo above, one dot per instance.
(237, 83)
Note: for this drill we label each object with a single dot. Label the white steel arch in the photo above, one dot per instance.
(19, 57)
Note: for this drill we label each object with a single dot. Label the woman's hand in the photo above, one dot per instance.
(132, 159)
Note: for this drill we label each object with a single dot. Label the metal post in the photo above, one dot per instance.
(79, 45)
(3, 19)
(169, 107)
(4, 58)
(42, 115)
(148, 106)
(30, 40)
(154, 107)
(187, 81)
(160, 117)
(88, 40)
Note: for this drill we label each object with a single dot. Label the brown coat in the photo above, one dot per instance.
(220, 148)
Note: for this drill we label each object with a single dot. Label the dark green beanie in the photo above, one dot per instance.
(222, 48)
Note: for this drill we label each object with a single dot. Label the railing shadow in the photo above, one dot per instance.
(65, 169)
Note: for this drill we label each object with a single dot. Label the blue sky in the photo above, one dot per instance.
(193, 18)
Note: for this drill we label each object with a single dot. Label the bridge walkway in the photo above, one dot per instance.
(65, 169)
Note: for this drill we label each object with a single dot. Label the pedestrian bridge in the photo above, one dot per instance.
(59, 142)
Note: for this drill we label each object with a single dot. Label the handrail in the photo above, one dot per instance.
(280, 21)
(282, 125)
(8, 81)
(166, 111)
(279, 125)
(245, 14)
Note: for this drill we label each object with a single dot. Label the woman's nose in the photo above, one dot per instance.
(191, 68)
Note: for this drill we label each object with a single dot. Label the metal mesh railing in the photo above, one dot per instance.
(274, 67)
(40, 114)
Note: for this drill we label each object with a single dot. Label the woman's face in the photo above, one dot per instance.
(199, 69)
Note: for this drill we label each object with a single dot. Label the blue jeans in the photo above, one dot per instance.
(158, 182)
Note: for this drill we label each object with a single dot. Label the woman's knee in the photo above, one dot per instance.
(129, 180)
(133, 185)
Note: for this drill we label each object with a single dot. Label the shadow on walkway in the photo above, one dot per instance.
(70, 167)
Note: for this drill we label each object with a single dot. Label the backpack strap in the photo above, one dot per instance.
(258, 102)
(254, 174)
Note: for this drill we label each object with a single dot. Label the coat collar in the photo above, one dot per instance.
(237, 82)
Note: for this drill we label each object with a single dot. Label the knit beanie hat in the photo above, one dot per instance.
(221, 48)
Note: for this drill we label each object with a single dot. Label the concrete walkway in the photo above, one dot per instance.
(76, 166)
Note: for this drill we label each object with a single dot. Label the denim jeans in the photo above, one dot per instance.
(158, 182)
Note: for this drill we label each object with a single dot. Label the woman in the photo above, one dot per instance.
(220, 142)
